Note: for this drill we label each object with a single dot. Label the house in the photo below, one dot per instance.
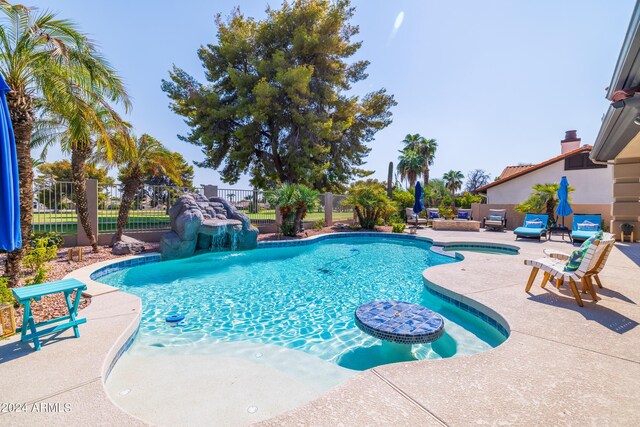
(592, 182)
(618, 142)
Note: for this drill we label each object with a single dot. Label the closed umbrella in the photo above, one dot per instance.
(10, 236)
(563, 209)
(418, 206)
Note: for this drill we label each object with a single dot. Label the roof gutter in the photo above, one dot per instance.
(627, 71)
(620, 125)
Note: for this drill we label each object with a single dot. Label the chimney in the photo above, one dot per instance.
(570, 142)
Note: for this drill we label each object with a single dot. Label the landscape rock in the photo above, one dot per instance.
(199, 224)
(127, 246)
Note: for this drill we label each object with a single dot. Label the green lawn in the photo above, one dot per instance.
(66, 222)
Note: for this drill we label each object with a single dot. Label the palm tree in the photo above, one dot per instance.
(453, 181)
(435, 192)
(146, 157)
(410, 165)
(40, 58)
(86, 130)
(423, 146)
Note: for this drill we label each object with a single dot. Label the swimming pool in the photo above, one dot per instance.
(298, 297)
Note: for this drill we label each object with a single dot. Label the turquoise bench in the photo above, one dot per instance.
(24, 296)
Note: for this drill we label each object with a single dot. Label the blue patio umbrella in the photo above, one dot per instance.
(418, 206)
(10, 236)
(563, 209)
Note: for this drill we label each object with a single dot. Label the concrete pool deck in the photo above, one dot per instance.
(562, 364)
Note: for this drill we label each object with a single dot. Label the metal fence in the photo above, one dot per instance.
(251, 202)
(149, 209)
(54, 207)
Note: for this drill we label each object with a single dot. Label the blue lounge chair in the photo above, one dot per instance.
(533, 230)
(581, 229)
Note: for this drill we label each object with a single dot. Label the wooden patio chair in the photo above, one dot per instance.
(564, 257)
(591, 265)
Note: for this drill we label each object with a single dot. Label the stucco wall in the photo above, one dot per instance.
(592, 186)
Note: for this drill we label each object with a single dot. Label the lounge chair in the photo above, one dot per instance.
(464, 215)
(535, 225)
(413, 218)
(585, 226)
(592, 263)
(562, 256)
(496, 220)
(432, 213)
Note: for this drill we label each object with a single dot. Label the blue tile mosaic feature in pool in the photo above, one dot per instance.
(111, 268)
(400, 322)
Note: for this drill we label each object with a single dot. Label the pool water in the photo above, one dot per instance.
(301, 298)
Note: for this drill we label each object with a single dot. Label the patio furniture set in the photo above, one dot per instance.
(462, 222)
(583, 227)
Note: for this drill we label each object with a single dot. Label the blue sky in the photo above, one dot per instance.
(495, 82)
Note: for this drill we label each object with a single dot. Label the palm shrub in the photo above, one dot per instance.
(369, 201)
(544, 199)
(293, 201)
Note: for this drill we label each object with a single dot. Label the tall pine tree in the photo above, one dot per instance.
(277, 103)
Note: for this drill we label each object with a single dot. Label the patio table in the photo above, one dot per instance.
(400, 323)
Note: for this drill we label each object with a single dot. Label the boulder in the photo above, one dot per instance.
(202, 224)
(127, 246)
(172, 247)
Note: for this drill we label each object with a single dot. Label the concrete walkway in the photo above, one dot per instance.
(562, 364)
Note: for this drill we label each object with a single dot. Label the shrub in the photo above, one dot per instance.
(397, 228)
(5, 292)
(369, 201)
(445, 211)
(36, 259)
(318, 225)
(395, 219)
(467, 199)
(52, 238)
(403, 199)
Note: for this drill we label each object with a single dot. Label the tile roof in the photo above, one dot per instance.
(526, 169)
(510, 170)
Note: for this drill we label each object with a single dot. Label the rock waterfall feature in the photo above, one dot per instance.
(201, 225)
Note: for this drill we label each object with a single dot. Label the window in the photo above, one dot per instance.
(580, 161)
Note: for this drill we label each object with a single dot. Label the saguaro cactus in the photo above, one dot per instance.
(390, 181)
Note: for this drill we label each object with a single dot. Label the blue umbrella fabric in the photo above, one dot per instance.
(418, 206)
(563, 209)
(10, 236)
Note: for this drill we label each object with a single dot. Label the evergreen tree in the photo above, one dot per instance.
(276, 105)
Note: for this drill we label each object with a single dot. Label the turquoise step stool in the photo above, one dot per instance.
(24, 296)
